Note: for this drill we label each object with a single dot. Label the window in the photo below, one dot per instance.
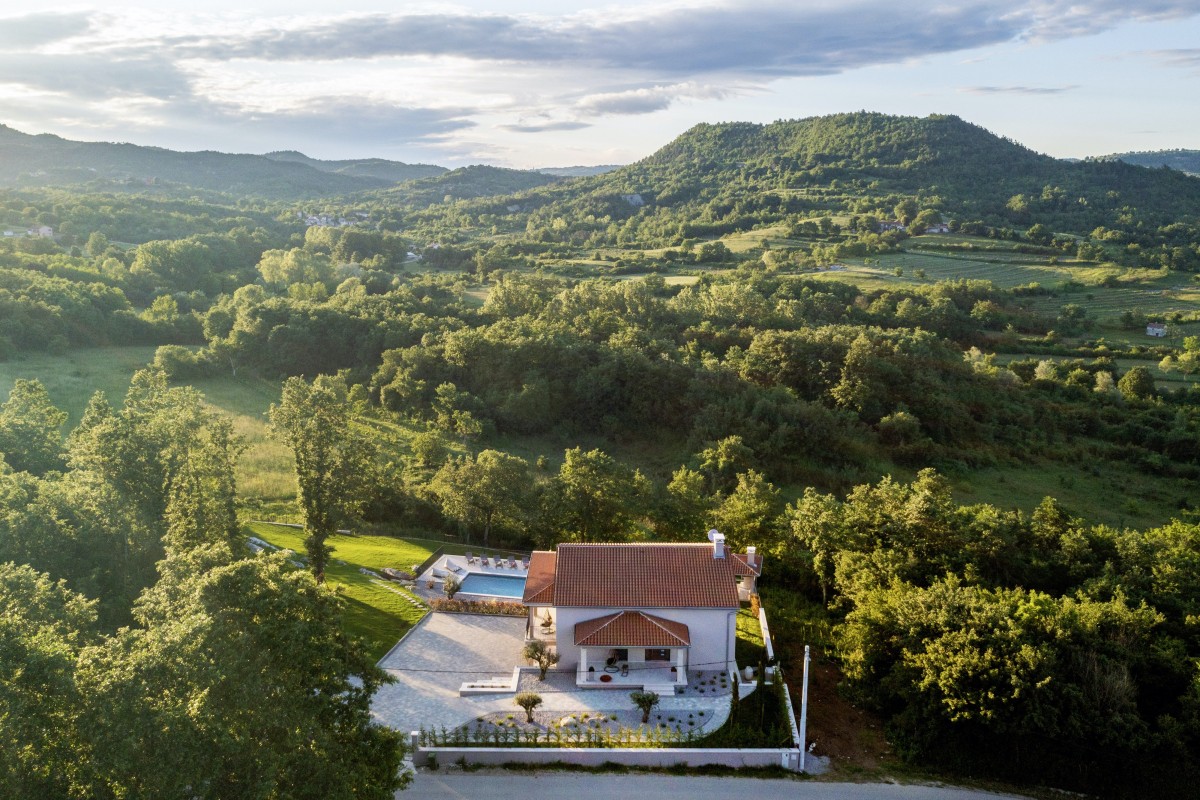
(658, 654)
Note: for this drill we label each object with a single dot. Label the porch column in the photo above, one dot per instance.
(680, 668)
(583, 665)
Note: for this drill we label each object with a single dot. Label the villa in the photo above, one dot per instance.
(639, 615)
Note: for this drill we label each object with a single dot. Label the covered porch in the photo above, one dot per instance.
(632, 649)
(540, 625)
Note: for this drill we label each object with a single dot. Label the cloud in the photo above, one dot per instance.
(367, 79)
(1187, 58)
(35, 30)
(543, 127)
(772, 39)
(1063, 19)
(329, 117)
(766, 39)
(1030, 90)
(94, 75)
(647, 99)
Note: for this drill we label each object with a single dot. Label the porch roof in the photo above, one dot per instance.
(632, 629)
(539, 584)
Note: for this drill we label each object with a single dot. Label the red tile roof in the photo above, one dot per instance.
(632, 629)
(539, 584)
(643, 576)
(745, 565)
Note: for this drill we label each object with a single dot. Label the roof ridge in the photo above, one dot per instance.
(562, 545)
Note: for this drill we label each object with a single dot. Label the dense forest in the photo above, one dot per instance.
(679, 344)
(144, 655)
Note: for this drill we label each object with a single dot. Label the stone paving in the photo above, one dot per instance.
(445, 650)
(440, 653)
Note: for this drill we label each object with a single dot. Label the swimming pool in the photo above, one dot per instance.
(509, 586)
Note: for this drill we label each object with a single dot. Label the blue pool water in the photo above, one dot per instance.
(511, 586)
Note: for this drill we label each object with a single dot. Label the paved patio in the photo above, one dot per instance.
(445, 650)
(439, 654)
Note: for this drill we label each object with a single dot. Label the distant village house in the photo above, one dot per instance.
(1158, 329)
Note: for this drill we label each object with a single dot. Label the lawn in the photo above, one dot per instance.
(749, 649)
(378, 615)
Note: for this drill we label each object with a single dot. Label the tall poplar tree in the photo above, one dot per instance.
(332, 462)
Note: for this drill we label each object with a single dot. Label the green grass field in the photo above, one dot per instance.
(72, 378)
(266, 471)
(376, 614)
(1108, 493)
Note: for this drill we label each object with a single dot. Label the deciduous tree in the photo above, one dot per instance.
(333, 462)
(491, 488)
(30, 429)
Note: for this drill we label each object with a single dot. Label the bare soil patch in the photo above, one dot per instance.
(851, 737)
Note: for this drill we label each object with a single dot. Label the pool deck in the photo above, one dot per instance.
(458, 566)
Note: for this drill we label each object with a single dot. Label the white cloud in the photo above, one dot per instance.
(1029, 90)
(422, 76)
(647, 99)
(35, 30)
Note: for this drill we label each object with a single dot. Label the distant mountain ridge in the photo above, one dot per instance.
(465, 183)
(1183, 160)
(578, 172)
(379, 168)
(49, 160)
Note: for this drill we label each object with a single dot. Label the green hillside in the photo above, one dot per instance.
(466, 183)
(969, 168)
(47, 160)
(377, 168)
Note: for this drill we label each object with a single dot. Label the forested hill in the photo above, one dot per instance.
(1182, 160)
(840, 162)
(380, 168)
(47, 160)
(465, 183)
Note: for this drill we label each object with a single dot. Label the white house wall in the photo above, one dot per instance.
(713, 632)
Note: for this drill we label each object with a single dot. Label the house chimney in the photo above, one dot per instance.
(718, 541)
(751, 550)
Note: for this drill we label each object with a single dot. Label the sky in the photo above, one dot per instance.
(534, 83)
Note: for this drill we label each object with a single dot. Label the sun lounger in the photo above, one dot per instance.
(470, 557)
(512, 563)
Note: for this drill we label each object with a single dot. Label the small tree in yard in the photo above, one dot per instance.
(528, 701)
(646, 701)
(543, 656)
(451, 586)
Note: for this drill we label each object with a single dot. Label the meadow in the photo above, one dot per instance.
(73, 377)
